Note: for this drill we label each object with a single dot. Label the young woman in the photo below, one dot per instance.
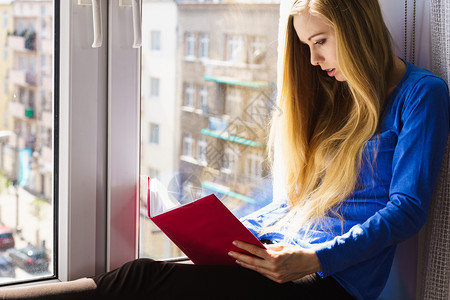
(361, 138)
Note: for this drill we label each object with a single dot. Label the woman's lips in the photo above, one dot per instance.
(331, 72)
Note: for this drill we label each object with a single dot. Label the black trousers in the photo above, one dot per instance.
(149, 279)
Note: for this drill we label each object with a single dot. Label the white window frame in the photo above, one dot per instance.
(155, 40)
(235, 48)
(189, 95)
(155, 84)
(190, 40)
(153, 134)
(203, 49)
(203, 95)
(188, 143)
(202, 145)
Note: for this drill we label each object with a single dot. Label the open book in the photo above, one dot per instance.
(203, 229)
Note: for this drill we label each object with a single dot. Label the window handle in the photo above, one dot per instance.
(137, 28)
(97, 21)
(137, 25)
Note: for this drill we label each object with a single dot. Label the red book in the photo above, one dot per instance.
(204, 229)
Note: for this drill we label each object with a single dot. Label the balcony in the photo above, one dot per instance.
(19, 110)
(47, 46)
(236, 131)
(47, 119)
(247, 75)
(46, 154)
(47, 82)
(22, 78)
(22, 43)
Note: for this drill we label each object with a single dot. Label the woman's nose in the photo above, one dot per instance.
(316, 58)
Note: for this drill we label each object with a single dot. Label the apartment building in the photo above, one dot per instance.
(28, 154)
(227, 79)
(209, 111)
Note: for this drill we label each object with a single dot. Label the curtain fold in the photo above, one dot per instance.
(434, 265)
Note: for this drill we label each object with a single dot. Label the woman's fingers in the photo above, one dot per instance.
(255, 250)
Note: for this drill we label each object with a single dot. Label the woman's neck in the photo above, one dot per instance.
(398, 71)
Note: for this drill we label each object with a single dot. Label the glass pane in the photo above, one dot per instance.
(26, 144)
(216, 69)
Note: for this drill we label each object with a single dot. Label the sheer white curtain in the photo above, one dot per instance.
(435, 258)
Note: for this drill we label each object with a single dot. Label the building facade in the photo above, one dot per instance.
(29, 149)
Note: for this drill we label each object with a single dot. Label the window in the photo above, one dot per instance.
(189, 92)
(154, 134)
(234, 102)
(204, 46)
(230, 156)
(154, 90)
(28, 187)
(207, 70)
(235, 48)
(155, 40)
(204, 99)
(201, 151)
(254, 165)
(187, 145)
(6, 86)
(257, 49)
(190, 46)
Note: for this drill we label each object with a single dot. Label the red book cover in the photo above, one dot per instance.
(204, 229)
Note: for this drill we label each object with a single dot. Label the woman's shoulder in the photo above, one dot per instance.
(420, 79)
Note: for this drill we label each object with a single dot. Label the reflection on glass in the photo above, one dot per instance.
(26, 131)
(216, 69)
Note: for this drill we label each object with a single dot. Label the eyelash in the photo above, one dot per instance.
(321, 42)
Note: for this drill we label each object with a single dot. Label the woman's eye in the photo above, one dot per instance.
(321, 42)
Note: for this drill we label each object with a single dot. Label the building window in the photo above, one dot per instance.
(204, 99)
(253, 165)
(155, 40)
(154, 134)
(235, 48)
(204, 46)
(257, 49)
(6, 86)
(229, 158)
(154, 87)
(5, 53)
(201, 151)
(234, 102)
(189, 91)
(5, 19)
(190, 46)
(187, 145)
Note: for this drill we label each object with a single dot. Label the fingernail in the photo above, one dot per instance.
(235, 243)
(230, 254)
(238, 262)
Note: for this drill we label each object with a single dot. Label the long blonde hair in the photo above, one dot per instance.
(324, 123)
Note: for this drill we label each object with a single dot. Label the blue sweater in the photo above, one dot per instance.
(390, 203)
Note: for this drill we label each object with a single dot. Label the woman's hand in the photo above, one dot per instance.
(279, 262)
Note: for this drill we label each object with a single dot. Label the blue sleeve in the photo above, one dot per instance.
(264, 217)
(416, 163)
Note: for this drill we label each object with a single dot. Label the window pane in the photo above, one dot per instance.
(217, 71)
(26, 147)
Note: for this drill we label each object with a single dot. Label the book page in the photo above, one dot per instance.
(160, 199)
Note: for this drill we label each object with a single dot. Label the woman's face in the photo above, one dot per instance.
(320, 37)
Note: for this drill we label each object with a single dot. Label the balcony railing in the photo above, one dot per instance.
(237, 74)
(22, 42)
(19, 110)
(21, 77)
